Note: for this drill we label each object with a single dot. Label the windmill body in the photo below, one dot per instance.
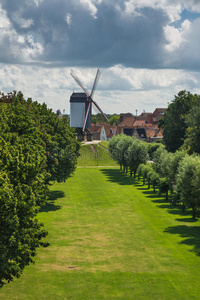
(78, 109)
(81, 105)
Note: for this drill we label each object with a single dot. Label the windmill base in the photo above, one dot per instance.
(83, 136)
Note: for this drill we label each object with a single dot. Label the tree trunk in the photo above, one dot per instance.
(134, 173)
(194, 212)
(131, 172)
(154, 188)
(167, 194)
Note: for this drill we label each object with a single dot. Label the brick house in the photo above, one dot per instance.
(143, 127)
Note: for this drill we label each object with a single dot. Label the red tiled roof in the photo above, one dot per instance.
(96, 128)
(127, 122)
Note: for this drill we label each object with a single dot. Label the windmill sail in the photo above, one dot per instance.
(95, 83)
(89, 100)
(79, 82)
(86, 116)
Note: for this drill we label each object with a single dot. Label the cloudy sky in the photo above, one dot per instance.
(147, 50)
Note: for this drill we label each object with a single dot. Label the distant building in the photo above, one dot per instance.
(143, 127)
(102, 131)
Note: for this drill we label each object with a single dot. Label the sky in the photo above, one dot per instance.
(147, 51)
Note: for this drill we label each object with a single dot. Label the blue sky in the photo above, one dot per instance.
(147, 50)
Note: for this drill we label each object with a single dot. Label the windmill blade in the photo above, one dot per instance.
(100, 110)
(79, 82)
(95, 83)
(86, 116)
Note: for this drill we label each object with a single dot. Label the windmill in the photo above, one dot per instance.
(81, 105)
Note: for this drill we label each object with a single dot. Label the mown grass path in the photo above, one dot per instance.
(112, 238)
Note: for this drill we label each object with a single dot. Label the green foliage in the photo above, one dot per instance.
(60, 142)
(29, 132)
(192, 141)
(163, 186)
(152, 147)
(128, 152)
(139, 170)
(118, 147)
(114, 119)
(98, 118)
(145, 170)
(137, 154)
(188, 182)
(153, 178)
(174, 120)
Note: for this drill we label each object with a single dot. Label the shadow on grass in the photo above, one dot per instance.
(118, 176)
(190, 234)
(50, 203)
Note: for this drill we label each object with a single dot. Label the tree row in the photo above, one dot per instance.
(36, 147)
(177, 173)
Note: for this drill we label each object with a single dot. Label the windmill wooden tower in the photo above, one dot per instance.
(81, 105)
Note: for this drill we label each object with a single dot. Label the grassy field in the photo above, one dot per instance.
(95, 155)
(112, 238)
(104, 144)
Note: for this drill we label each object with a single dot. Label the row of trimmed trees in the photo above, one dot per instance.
(176, 172)
(36, 147)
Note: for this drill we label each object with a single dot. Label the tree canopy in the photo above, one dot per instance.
(35, 147)
(174, 120)
(192, 141)
(188, 182)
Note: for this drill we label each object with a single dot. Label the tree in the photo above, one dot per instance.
(163, 186)
(174, 160)
(113, 150)
(188, 182)
(28, 131)
(158, 157)
(139, 170)
(146, 168)
(152, 147)
(192, 141)
(61, 145)
(22, 192)
(173, 121)
(114, 119)
(118, 147)
(136, 154)
(154, 179)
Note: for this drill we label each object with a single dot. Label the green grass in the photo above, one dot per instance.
(112, 239)
(88, 157)
(104, 144)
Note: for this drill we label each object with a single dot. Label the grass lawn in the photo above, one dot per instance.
(112, 239)
(104, 144)
(95, 155)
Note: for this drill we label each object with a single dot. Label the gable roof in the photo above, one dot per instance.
(96, 128)
(127, 122)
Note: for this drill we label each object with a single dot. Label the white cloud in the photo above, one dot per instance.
(119, 89)
(90, 5)
(141, 53)
(4, 21)
(23, 23)
(175, 36)
(68, 19)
